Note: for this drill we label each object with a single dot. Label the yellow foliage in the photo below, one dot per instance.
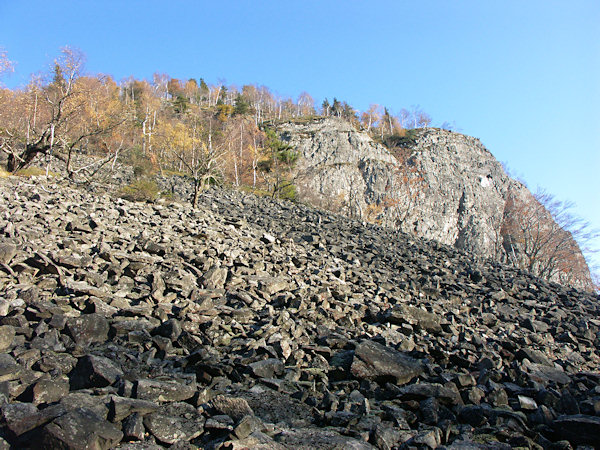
(225, 111)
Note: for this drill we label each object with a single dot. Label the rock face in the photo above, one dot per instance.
(253, 323)
(465, 191)
(447, 186)
(340, 167)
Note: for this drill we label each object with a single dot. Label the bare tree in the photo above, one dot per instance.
(66, 113)
(6, 65)
(193, 148)
(543, 236)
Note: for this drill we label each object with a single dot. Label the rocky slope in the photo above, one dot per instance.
(251, 323)
(449, 188)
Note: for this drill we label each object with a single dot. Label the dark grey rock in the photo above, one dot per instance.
(247, 426)
(7, 336)
(386, 436)
(21, 417)
(400, 314)
(93, 403)
(473, 415)
(133, 427)
(314, 438)
(88, 328)
(267, 368)
(50, 391)
(9, 368)
(579, 429)
(373, 361)
(215, 278)
(80, 429)
(122, 407)
(175, 422)
(421, 391)
(164, 391)
(94, 371)
(170, 329)
(535, 356)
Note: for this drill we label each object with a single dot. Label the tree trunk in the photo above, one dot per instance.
(196, 192)
(25, 158)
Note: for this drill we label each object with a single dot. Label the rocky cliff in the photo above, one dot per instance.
(438, 185)
(253, 323)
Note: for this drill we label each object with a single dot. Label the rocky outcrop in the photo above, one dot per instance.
(339, 166)
(464, 192)
(458, 188)
(252, 323)
(440, 185)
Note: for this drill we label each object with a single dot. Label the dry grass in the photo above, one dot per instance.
(31, 172)
(26, 173)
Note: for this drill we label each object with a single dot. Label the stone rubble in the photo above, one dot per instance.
(253, 323)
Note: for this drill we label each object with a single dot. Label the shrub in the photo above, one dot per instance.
(287, 191)
(406, 138)
(141, 190)
(142, 165)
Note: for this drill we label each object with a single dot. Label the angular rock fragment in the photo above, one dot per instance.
(319, 438)
(7, 336)
(7, 251)
(76, 400)
(88, 328)
(544, 374)
(175, 422)
(50, 391)
(246, 426)
(170, 329)
(373, 361)
(579, 429)
(401, 313)
(276, 407)
(421, 391)
(122, 407)
(273, 285)
(9, 368)
(133, 427)
(267, 368)
(215, 278)
(23, 417)
(80, 429)
(164, 391)
(94, 371)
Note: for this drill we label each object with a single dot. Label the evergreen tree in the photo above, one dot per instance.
(242, 107)
(325, 106)
(336, 108)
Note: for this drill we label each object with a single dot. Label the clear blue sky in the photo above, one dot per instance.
(523, 76)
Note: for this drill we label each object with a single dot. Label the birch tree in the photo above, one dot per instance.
(63, 115)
